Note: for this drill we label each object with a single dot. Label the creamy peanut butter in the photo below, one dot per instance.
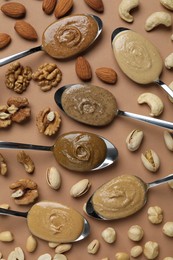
(69, 36)
(138, 58)
(80, 151)
(120, 197)
(55, 222)
(89, 104)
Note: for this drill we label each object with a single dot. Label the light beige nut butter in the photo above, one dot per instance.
(137, 57)
(69, 36)
(80, 151)
(89, 104)
(55, 222)
(120, 197)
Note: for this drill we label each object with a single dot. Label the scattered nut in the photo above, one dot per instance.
(168, 229)
(168, 4)
(153, 101)
(150, 160)
(122, 256)
(19, 254)
(134, 139)
(125, 7)
(53, 244)
(156, 19)
(151, 250)
(53, 178)
(93, 247)
(155, 214)
(168, 138)
(44, 257)
(6, 236)
(109, 235)
(59, 257)
(31, 244)
(5, 206)
(29, 191)
(62, 248)
(26, 160)
(136, 251)
(171, 87)
(107, 75)
(3, 165)
(169, 61)
(47, 76)
(47, 124)
(83, 68)
(11, 255)
(80, 188)
(17, 77)
(135, 233)
(5, 40)
(170, 183)
(5, 117)
(168, 258)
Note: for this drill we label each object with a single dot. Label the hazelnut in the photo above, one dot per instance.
(135, 233)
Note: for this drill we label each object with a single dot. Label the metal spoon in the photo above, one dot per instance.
(85, 232)
(24, 53)
(146, 119)
(91, 211)
(111, 155)
(133, 54)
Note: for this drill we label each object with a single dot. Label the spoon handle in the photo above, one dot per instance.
(9, 212)
(168, 90)
(11, 145)
(160, 181)
(147, 119)
(19, 55)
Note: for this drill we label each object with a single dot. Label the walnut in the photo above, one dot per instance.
(26, 160)
(48, 76)
(18, 107)
(3, 165)
(25, 191)
(18, 77)
(48, 122)
(5, 117)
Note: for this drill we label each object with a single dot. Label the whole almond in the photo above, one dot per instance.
(14, 9)
(5, 39)
(107, 75)
(48, 6)
(96, 5)
(63, 7)
(26, 30)
(83, 69)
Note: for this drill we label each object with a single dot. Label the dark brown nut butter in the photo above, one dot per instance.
(79, 151)
(69, 36)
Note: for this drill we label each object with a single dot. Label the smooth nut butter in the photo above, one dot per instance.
(89, 104)
(80, 151)
(120, 197)
(69, 36)
(55, 222)
(138, 58)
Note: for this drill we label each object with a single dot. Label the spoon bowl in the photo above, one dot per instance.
(138, 58)
(24, 53)
(90, 207)
(96, 103)
(74, 141)
(52, 210)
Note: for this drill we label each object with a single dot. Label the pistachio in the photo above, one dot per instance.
(134, 139)
(53, 178)
(151, 160)
(62, 248)
(168, 138)
(80, 188)
(93, 247)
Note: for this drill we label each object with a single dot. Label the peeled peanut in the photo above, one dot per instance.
(122, 256)
(44, 257)
(31, 244)
(6, 236)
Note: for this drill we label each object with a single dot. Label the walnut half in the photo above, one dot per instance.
(3, 165)
(26, 160)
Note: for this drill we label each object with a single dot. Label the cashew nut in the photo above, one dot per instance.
(156, 19)
(125, 7)
(153, 101)
(169, 61)
(167, 4)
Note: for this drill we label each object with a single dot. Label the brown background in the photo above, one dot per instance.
(126, 93)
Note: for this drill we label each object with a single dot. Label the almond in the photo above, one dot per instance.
(96, 5)
(63, 7)
(48, 6)
(26, 30)
(83, 69)
(5, 39)
(107, 75)
(14, 9)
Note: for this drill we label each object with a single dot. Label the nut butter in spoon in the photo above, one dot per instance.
(120, 197)
(65, 38)
(54, 222)
(138, 58)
